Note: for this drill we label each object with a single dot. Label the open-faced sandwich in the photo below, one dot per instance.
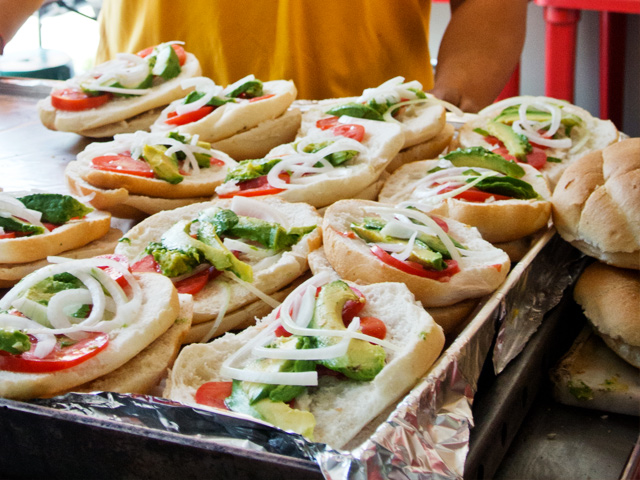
(36, 225)
(125, 94)
(421, 117)
(504, 200)
(228, 254)
(546, 133)
(72, 322)
(326, 164)
(138, 174)
(245, 119)
(445, 263)
(324, 364)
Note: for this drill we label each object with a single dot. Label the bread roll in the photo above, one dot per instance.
(157, 311)
(592, 134)
(104, 121)
(610, 297)
(497, 221)
(482, 269)
(223, 292)
(596, 204)
(341, 407)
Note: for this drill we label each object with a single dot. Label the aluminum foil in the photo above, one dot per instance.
(426, 436)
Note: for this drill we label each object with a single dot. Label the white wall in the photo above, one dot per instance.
(587, 62)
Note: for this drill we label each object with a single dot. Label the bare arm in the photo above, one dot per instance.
(14, 14)
(479, 51)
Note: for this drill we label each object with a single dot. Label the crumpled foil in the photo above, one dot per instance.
(426, 436)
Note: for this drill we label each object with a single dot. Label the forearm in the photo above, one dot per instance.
(14, 14)
(479, 51)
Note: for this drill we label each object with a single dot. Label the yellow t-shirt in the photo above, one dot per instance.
(329, 48)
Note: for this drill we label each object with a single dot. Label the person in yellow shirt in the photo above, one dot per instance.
(330, 48)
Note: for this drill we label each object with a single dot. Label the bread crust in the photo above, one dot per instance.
(233, 118)
(596, 204)
(212, 298)
(602, 133)
(428, 149)
(10, 274)
(352, 259)
(118, 109)
(71, 235)
(341, 407)
(159, 310)
(498, 221)
(610, 297)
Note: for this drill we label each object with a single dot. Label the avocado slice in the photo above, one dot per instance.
(357, 110)
(518, 145)
(55, 207)
(14, 341)
(421, 253)
(249, 89)
(163, 166)
(480, 157)
(363, 360)
(252, 168)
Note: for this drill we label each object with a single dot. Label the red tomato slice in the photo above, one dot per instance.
(217, 162)
(146, 264)
(373, 327)
(352, 308)
(213, 394)
(59, 359)
(257, 187)
(474, 195)
(8, 235)
(327, 122)
(113, 273)
(263, 97)
(174, 119)
(282, 332)
(182, 55)
(73, 100)
(123, 164)
(537, 158)
(349, 130)
(441, 223)
(413, 268)
(196, 283)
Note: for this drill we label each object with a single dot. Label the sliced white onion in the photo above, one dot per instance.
(272, 302)
(226, 299)
(539, 139)
(250, 207)
(11, 206)
(230, 88)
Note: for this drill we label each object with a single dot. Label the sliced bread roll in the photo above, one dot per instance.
(150, 307)
(314, 179)
(10, 274)
(482, 267)
(428, 149)
(588, 134)
(497, 221)
(610, 297)
(596, 204)
(341, 407)
(230, 118)
(144, 372)
(223, 294)
(105, 120)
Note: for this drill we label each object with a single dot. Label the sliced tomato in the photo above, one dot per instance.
(75, 100)
(182, 55)
(213, 394)
(327, 122)
(282, 332)
(352, 308)
(373, 327)
(257, 187)
(7, 235)
(441, 223)
(217, 162)
(123, 164)
(196, 282)
(413, 268)
(474, 195)
(349, 130)
(146, 264)
(174, 119)
(113, 273)
(537, 158)
(60, 358)
(263, 97)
